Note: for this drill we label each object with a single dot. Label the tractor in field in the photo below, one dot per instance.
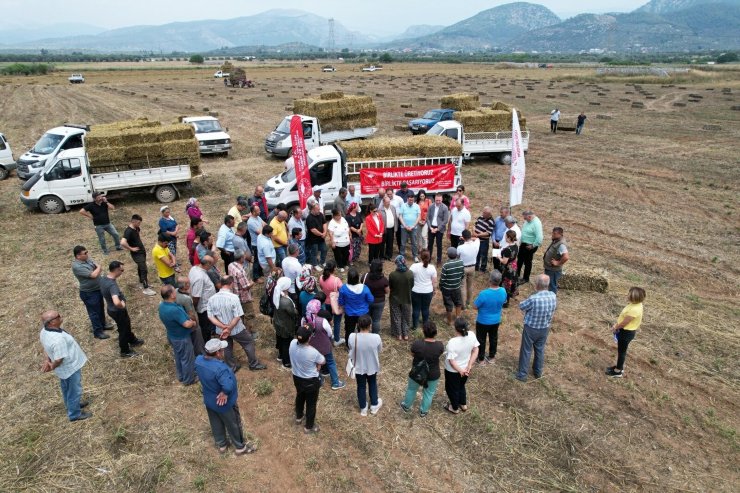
(238, 78)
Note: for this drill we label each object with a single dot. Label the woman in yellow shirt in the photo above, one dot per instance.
(626, 328)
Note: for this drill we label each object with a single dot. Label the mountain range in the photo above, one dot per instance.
(657, 26)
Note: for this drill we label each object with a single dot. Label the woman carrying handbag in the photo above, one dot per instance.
(364, 362)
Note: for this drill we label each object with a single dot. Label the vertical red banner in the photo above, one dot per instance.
(300, 160)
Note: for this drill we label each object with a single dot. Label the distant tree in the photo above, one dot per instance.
(386, 58)
(196, 59)
(727, 57)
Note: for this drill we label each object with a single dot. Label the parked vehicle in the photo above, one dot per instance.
(430, 119)
(331, 171)
(221, 74)
(328, 68)
(371, 68)
(76, 79)
(278, 143)
(48, 146)
(212, 139)
(7, 163)
(497, 144)
(69, 180)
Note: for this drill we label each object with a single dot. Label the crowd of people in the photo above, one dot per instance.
(307, 296)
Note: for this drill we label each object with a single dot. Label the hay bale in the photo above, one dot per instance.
(594, 103)
(411, 114)
(460, 102)
(638, 105)
(714, 128)
(345, 113)
(565, 128)
(735, 108)
(603, 117)
(179, 149)
(328, 96)
(679, 105)
(400, 128)
(584, 280)
(487, 120)
(406, 105)
(397, 147)
(143, 152)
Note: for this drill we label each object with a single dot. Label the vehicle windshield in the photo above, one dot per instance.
(47, 143)
(289, 175)
(433, 115)
(284, 126)
(436, 130)
(207, 126)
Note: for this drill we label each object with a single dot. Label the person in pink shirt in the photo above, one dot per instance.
(329, 283)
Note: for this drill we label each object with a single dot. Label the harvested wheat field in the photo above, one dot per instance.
(646, 195)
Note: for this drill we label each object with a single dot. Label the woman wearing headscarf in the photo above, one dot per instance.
(168, 226)
(400, 282)
(307, 284)
(354, 220)
(284, 320)
(192, 209)
(321, 339)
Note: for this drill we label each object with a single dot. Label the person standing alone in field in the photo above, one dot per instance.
(132, 242)
(98, 212)
(65, 358)
(538, 310)
(555, 256)
(88, 276)
(118, 310)
(580, 123)
(626, 328)
(554, 118)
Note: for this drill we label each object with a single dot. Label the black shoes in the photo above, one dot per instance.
(101, 335)
(137, 343)
(258, 366)
(82, 416)
(130, 354)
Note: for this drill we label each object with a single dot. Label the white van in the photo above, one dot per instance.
(212, 139)
(7, 163)
(48, 146)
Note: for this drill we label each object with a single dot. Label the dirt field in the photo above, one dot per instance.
(649, 195)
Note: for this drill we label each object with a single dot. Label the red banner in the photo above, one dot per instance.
(430, 178)
(300, 160)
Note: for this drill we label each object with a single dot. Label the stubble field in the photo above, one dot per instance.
(648, 194)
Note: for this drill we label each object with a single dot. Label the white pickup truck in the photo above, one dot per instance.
(7, 163)
(212, 139)
(279, 144)
(371, 68)
(69, 181)
(221, 74)
(76, 79)
(496, 144)
(330, 171)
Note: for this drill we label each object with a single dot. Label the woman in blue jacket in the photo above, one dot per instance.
(356, 299)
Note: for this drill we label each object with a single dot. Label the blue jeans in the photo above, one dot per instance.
(532, 339)
(312, 250)
(336, 322)
(111, 231)
(369, 382)
(280, 254)
(481, 261)
(426, 394)
(72, 393)
(182, 350)
(419, 305)
(376, 314)
(93, 301)
(579, 129)
(405, 235)
(331, 365)
(554, 277)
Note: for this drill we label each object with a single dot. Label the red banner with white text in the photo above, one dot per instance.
(300, 161)
(430, 178)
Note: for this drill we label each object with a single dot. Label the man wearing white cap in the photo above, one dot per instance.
(220, 395)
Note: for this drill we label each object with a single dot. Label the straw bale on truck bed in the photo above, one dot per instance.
(460, 102)
(401, 147)
(487, 120)
(337, 111)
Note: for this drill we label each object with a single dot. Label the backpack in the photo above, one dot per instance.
(420, 373)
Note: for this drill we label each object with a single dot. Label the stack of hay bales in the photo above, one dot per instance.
(460, 102)
(584, 280)
(227, 67)
(336, 111)
(475, 118)
(138, 144)
(401, 147)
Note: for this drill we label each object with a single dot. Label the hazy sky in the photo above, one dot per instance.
(380, 16)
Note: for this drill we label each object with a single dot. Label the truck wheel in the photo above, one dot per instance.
(3, 173)
(51, 204)
(505, 158)
(166, 194)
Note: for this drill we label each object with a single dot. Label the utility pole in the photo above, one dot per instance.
(330, 47)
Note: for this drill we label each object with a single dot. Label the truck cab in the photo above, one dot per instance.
(220, 74)
(7, 163)
(62, 183)
(327, 169)
(212, 139)
(54, 141)
(430, 118)
(279, 144)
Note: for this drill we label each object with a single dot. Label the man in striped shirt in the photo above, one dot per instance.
(483, 230)
(225, 312)
(538, 310)
(450, 283)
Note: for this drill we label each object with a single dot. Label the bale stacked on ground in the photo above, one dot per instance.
(584, 280)
(401, 147)
(336, 111)
(460, 102)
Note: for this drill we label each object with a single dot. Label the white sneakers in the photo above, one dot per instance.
(149, 292)
(363, 412)
(373, 409)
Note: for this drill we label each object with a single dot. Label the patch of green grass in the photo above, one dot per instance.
(199, 483)
(263, 387)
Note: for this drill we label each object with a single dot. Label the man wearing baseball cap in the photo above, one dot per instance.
(220, 395)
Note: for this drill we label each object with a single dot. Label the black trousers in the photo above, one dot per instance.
(483, 330)
(227, 257)
(455, 388)
(206, 326)
(306, 398)
(624, 337)
(374, 250)
(454, 240)
(524, 259)
(436, 238)
(553, 126)
(125, 335)
(398, 237)
(341, 256)
(388, 242)
(139, 259)
(283, 345)
(350, 323)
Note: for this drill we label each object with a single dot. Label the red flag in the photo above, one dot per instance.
(300, 161)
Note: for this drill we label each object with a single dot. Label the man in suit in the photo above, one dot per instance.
(438, 216)
(390, 219)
